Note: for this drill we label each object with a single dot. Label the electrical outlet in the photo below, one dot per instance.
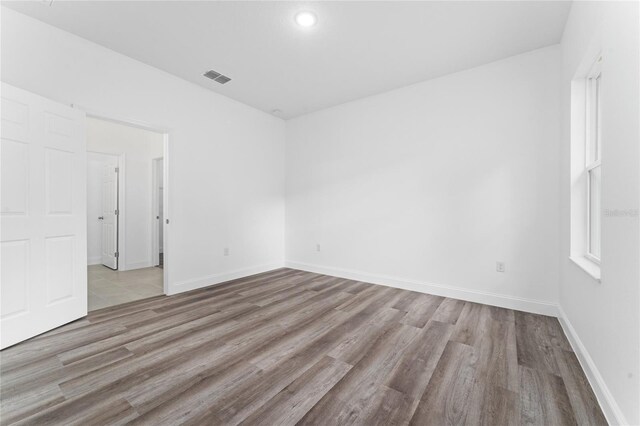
(226, 251)
(317, 247)
(500, 266)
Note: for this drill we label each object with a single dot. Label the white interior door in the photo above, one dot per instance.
(43, 215)
(158, 208)
(109, 216)
(160, 204)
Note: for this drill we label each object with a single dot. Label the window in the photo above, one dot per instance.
(593, 162)
(585, 164)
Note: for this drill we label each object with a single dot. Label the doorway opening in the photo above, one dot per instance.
(126, 201)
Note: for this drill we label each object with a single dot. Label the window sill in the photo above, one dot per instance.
(591, 268)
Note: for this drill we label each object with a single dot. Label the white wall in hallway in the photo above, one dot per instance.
(605, 316)
(226, 159)
(138, 148)
(435, 182)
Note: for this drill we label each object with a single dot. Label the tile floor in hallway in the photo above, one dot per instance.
(108, 287)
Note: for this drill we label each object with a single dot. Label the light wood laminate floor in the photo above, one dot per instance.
(290, 347)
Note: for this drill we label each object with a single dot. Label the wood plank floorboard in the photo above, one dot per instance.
(289, 347)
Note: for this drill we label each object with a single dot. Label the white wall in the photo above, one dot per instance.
(138, 148)
(95, 164)
(434, 183)
(226, 159)
(604, 318)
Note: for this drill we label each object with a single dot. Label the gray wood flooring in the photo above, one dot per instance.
(290, 347)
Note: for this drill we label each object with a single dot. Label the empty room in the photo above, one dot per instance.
(320, 213)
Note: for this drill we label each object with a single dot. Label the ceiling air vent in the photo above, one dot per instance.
(212, 74)
(223, 79)
(216, 76)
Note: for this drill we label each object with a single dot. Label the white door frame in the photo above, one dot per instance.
(122, 211)
(155, 234)
(166, 151)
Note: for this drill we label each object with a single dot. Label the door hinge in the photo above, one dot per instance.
(116, 212)
(117, 169)
(116, 254)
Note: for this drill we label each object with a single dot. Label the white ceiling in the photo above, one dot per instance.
(356, 49)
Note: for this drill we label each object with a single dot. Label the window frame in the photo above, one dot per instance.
(593, 149)
(588, 252)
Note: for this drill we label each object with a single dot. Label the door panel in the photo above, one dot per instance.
(59, 267)
(14, 168)
(43, 215)
(14, 297)
(59, 181)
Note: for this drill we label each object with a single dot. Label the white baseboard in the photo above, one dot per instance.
(608, 404)
(208, 280)
(494, 299)
(94, 260)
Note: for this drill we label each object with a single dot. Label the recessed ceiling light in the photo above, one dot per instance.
(306, 19)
